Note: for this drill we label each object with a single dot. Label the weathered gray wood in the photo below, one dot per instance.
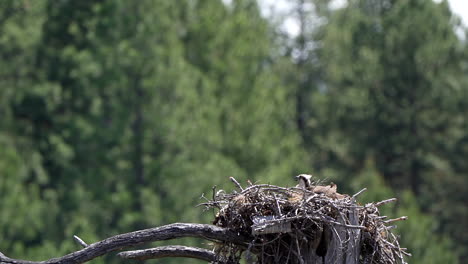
(344, 245)
(170, 251)
(121, 241)
(354, 244)
(270, 225)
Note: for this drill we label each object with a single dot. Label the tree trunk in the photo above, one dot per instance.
(337, 245)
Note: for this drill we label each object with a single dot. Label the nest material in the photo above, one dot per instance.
(300, 225)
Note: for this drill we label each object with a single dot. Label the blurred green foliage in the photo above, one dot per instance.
(118, 115)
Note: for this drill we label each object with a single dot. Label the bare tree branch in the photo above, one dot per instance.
(391, 200)
(236, 183)
(80, 241)
(358, 193)
(170, 251)
(118, 242)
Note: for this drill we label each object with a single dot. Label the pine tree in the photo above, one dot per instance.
(394, 91)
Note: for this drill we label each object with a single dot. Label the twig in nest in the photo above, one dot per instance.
(385, 202)
(214, 193)
(236, 183)
(358, 193)
(402, 218)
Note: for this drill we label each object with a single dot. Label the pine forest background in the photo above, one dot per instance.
(118, 115)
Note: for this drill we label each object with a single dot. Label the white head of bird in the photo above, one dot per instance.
(304, 181)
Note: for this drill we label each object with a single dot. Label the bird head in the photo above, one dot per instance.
(304, 180)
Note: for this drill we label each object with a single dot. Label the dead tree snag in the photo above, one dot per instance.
(264, 223)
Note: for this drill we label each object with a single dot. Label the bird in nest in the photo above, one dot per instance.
(305, 182)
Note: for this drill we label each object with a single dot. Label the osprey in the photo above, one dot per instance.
(328, 190)
(304, 183)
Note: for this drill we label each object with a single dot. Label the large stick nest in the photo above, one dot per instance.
(304, 225)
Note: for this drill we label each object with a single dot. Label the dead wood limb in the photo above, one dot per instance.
(118, 242)
(236, 183)
(80, 241)
(358, 193)
(402, 218)
(279, 225)
(385, 202)
(170, 251)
